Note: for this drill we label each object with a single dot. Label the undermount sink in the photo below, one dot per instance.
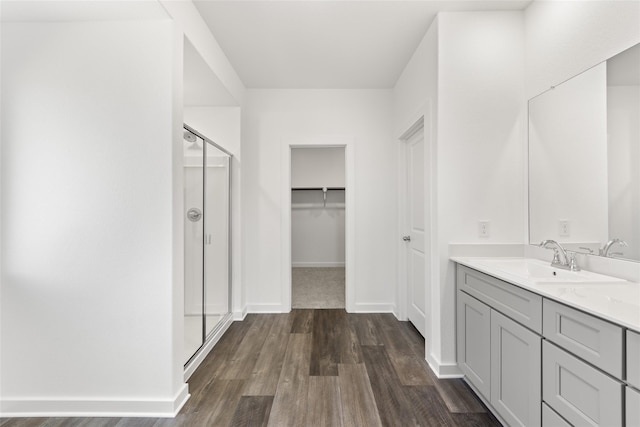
(541, 272)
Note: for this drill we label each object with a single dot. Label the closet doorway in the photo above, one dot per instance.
(318, 227)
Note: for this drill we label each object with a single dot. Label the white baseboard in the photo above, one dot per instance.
(373, 308)
(208, 346)
(396, 313)
(149, 408)
(267, 308)
(442, 370)
(240, 315)
(317, 264)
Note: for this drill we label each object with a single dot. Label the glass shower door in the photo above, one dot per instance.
(216, 237)
(193, 244)
(206, 233)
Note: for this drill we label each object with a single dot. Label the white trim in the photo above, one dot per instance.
(418, 124)
(403, 259)
(317, 264)
(442, 370)
(374, 308)
(407, 129)
(240, 315)
(268, 308)
(149, 408)
(201, 354)
(325, 142)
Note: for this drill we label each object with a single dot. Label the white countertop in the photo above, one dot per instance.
(616, 302)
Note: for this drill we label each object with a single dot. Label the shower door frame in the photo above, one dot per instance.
(208, 338)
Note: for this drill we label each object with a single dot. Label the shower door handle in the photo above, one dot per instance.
(194, 214)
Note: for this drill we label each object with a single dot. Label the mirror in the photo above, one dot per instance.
(584, 160)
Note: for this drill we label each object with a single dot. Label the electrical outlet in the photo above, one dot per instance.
(563, 228)
(483, 228)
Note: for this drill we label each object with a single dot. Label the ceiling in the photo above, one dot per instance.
(201, 85)
(80, 10)
(326, 43)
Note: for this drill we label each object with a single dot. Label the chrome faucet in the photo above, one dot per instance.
(604, 251)
(568, 262)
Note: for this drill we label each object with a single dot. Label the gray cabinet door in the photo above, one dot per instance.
(633, 358)
(515, 372)
(633, 407)
(551, 419)
(473, 336)
(580, 393)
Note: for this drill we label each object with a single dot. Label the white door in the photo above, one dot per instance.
(416, 224)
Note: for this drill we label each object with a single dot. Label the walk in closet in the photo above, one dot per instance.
(318, 227)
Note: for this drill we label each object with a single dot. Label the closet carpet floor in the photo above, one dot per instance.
(317, 287)
(313, 368)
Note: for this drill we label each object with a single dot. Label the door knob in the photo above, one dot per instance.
(406, 238)
(194, 214)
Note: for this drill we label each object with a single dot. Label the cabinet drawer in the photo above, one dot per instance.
(633, 359)
(580, 393)
(551, 419)
(592, 339)
(633, 407)
(522, 306)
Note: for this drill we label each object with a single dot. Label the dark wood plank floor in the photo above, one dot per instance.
(314, 368)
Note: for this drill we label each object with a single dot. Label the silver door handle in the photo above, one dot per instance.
(194, 214)
(406, 238)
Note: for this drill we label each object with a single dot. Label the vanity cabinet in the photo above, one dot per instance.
(551, 419)
(593, 340)
(632, 406)
(535, 361)
(580, 393)
(515, 371)
(516, 303)
(633, 359)
(474, 328)
(499, 356)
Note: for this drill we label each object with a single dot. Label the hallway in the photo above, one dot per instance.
(313, 367)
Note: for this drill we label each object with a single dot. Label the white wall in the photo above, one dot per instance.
(481, 118)
(415, 95)
(318, 228)
(88, 294)
(185, 14)
(564, 38)
(317, 167)
(476, 97)
(568, 161)
(417, 86)
(318, 223)
(273, 118)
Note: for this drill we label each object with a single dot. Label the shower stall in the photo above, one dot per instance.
(207, 280)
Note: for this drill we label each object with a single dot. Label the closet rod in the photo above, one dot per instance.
(317, 188)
